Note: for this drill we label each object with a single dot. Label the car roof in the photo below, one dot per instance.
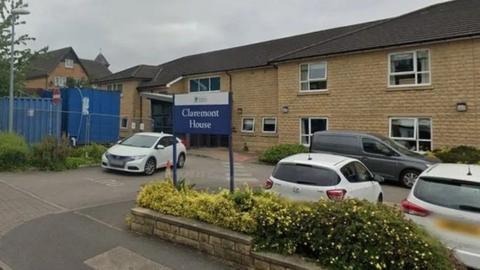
(349, 133)
(157, 134)
(454, 171)
(318, 159)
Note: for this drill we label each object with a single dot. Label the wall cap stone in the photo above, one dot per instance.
(288, 261)
(193, 224)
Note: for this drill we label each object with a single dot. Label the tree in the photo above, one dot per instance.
(22, 54)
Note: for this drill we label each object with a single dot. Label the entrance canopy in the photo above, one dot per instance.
(158, 96)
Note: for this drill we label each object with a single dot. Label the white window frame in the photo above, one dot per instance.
(208, 77)
(263, 124)
(248, 131)
(312, 80)
(309, 127)
(69, 63)
(121, 122)
(56, 81)
(415, 131)
(414, 52)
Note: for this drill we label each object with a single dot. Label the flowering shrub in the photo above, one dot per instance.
(340, 235)
(459, 154)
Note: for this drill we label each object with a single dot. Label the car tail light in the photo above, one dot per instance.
(268, 184)
(336, 194)
(413, 209)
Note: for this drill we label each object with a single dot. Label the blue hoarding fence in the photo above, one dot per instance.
(203, 113)
(34, 118)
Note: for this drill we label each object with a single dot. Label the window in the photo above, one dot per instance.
(305, 174)
(409, 68)
(269, 125)
(69, 63)
(375, 147)
(166, 141)
(355, 172)
(124, 123)
(313, 76)
(204, 84)
(413, 133)
(308, 126)
(60, 81)
(248, 124)
(462, 195)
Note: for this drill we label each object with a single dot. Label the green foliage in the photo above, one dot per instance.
(74, 162)
(22, 54)
(50, 154)
(459, 154)
(91, 154)
(340, 235)
(275, 153)
(13, 152)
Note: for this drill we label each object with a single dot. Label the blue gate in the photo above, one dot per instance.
(33, 118)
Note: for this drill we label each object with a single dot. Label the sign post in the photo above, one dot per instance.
(203, 113)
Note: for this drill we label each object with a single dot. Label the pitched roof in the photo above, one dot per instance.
(102, 60)
(449, 20)
(43, 64)
(142, 72)
(95, 69)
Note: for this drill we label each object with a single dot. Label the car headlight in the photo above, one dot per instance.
(137, 157)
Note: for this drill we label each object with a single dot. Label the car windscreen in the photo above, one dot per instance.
(305, 174)
(144, 141)
(455, 194)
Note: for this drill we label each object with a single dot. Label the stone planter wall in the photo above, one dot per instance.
(231, 247)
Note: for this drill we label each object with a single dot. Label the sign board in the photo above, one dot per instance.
(202, 113)
(85, 105)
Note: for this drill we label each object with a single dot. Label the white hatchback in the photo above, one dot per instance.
(446, 201)
(310, 177)
(144, 152)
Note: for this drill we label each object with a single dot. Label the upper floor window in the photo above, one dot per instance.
(409, 68)
(68, 63)
(204, 84)
(313, 76)
(60, 81)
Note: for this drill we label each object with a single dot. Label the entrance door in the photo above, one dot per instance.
(162, 116)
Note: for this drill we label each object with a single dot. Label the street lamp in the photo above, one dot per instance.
(15, 12)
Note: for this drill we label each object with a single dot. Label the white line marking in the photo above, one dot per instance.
(98, 221)
(4, 266)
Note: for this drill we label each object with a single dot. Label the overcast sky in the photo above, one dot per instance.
(131, 32)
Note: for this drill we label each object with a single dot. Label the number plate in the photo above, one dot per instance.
(460, 227)
(116, 163)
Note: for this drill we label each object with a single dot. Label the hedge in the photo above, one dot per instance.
(13, 152)
(459, 154)
(339, 235)
(275, 153)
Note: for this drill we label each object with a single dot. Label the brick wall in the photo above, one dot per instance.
(358, 97)
(36, 83)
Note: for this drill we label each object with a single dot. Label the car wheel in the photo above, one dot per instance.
(181, 160)
(380, 198)
(409, 177)
(150, 166)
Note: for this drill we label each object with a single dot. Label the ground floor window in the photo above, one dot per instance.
(248, 124)
(310, 125)
(411, 132)
(124, 123)
(269, 125)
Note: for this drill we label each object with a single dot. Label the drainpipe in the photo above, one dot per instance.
(229, 80)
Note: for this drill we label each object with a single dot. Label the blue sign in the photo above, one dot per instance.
(202, 113)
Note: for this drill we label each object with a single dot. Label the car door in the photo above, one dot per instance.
(379, 158)
(360, 185)
(165, 153)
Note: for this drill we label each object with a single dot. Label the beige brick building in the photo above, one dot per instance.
(413, 78)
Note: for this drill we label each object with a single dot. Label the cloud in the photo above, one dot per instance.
(154, 31)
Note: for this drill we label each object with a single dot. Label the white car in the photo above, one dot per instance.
(144, 152)
(446, 201)
(309, 177)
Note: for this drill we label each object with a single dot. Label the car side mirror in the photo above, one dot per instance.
(159, 147)
(378, 178)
